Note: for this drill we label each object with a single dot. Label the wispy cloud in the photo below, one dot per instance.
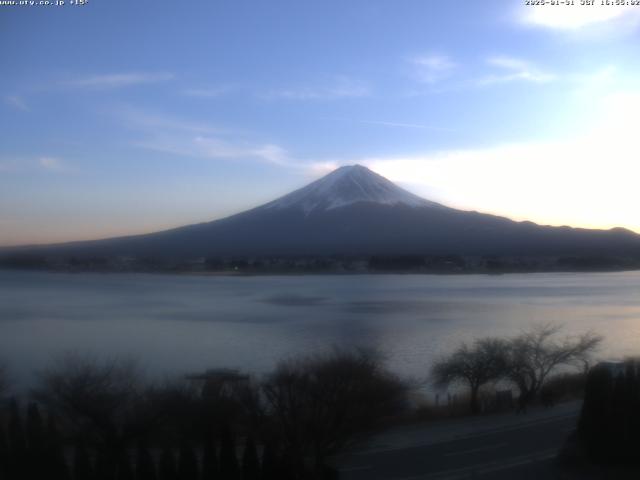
(578, 17)
(194, 146)
(416, 126)
(511, 69)
(383, 123)
(496, 70)
(17, 102)
(150, 121)
(187, 138)
(118, 80)
(335, 88)
(322, 167)
(432, 68)
(274, 154)
(34, 164)
(215, 148)
(52, 164)
(208, 92)
(181, 137)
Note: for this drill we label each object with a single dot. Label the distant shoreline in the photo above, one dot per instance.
(339, 264)
(240, 274)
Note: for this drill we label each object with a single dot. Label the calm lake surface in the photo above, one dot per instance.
(177, 323)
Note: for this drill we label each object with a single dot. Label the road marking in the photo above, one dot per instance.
(476, 450)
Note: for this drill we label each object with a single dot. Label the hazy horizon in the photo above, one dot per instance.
(173, 226)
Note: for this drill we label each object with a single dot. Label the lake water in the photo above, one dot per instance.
(178, 323)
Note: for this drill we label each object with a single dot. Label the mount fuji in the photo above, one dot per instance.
(347, 186)
(354, 211)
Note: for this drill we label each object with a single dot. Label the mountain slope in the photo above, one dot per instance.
(353, 211)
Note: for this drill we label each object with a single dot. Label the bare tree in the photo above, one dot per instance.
(320, 404)
(534, 355)
(104, 402)
(476, 365)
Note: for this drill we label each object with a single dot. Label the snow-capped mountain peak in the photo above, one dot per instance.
(345, 186)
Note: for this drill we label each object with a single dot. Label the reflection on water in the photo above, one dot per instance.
(181, 323)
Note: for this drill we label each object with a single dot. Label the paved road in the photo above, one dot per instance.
(498, 447)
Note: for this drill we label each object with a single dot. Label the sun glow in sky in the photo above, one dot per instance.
(121, 117)
(588, 179)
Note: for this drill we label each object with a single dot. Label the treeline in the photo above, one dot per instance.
(100, 420)
(524, 362)
(34, 449)
(89, 419)
(492, 264)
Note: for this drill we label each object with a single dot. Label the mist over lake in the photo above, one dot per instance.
(177, 323)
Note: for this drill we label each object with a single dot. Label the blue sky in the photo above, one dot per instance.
(126, 117)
